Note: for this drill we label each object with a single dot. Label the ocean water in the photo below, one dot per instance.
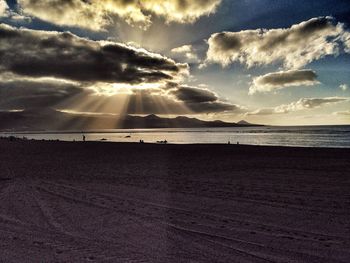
(301, 136)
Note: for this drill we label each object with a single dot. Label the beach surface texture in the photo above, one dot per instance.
(115, 202)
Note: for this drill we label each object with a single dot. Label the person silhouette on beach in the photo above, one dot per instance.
(84, 138)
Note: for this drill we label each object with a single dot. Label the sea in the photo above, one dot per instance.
(298, 136)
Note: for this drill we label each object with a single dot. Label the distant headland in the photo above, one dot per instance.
(50, 119)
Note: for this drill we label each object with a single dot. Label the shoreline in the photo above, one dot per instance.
(162, 128)
(170, 143)
(322, 137)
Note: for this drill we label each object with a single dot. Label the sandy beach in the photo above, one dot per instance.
(114, 202)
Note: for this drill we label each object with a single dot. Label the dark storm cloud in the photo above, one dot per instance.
(214, 107)
(200, 100)
(226, 41)
(288, 77)
(179, 100)
(279, 80)
(64, 55)
(190, 94)
(21, 93)
(62, 70)
(24, 94)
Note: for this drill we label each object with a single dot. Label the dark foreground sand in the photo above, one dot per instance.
(110, 202)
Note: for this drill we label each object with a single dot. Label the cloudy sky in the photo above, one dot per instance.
(280, 62)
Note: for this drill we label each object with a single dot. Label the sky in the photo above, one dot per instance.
(282, 62)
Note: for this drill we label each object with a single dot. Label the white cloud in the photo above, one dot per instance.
(346, 40)
(3, 8)
(98, 14)
(342, 113)
(302, 104)
(295, 47)
(186, 53)
(6, 12)
(344, 87)
(182, 49)
(283, 79)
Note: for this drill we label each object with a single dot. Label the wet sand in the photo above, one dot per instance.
(113, 202)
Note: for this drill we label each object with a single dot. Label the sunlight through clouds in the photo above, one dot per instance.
(99, 14)
(221, 58)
